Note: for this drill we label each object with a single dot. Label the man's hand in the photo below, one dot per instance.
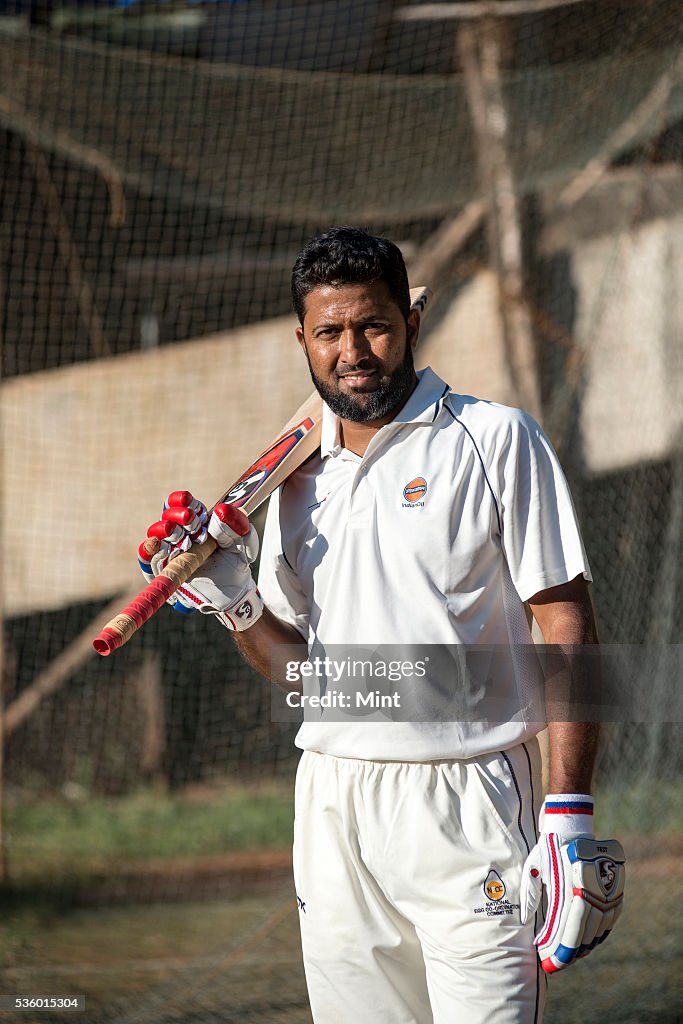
(225, 587)
(584, 881)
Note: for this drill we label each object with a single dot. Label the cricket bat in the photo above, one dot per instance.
(297, 440)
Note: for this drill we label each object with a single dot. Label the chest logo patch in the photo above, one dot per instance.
(414, 492)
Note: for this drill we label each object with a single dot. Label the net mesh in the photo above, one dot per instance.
(161, 166)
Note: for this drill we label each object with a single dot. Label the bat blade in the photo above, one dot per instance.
(275, 464)
(297, 440)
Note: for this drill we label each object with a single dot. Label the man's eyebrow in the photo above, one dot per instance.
(363, 319)
(326, 323)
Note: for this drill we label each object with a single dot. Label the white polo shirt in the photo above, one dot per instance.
(457, 513)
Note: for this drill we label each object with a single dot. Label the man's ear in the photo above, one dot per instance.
(413, 327)
(300, 337)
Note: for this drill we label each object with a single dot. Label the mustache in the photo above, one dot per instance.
(356, 370)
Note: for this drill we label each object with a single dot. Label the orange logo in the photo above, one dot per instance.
(415, 490)
(494, 886)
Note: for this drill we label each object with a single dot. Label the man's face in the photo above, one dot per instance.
(359, 349)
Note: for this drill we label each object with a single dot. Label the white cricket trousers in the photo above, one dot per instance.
(407, 878)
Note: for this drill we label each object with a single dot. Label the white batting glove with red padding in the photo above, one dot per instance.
(583, 877)
(224, 586)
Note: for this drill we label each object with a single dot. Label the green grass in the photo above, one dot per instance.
(91, 836)
(57, 838)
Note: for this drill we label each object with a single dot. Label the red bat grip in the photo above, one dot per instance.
(134, 615)
(120, 629)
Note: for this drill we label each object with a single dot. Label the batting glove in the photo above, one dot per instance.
(584, 880)
(225, 587)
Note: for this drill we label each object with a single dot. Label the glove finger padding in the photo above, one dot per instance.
(182, 510)
(183, 523)
(229, 526)
(585, 882)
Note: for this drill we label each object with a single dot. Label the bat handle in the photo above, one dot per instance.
(120, 629)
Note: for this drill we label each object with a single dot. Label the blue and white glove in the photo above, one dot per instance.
(224, 586)
(583, 877)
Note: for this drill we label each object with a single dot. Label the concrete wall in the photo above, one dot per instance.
(624, 244)
(90, 451)
(466, 346)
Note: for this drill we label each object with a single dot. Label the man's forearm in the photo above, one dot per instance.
(565, 615)
(573, 745)
(256, 644)
(573, 748)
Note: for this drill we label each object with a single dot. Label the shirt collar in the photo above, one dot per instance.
(421, 407)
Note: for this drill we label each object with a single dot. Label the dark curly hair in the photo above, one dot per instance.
(349, 256)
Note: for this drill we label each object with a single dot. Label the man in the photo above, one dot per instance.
(417, 864)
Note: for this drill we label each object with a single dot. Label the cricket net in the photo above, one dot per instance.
(161, 166)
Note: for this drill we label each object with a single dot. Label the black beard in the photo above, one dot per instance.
(374, 405)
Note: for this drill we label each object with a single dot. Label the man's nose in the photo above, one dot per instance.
(354, 346)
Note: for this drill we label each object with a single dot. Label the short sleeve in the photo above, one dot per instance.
(540, 531)
(278, 583)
